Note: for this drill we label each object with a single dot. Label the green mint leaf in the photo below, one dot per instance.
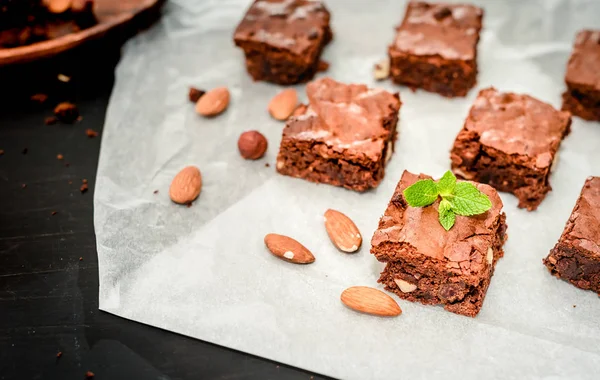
(467, 200)
(447, 183)
(446, 215)
(421, 193)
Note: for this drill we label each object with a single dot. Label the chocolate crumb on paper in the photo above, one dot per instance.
(54, 213)
(195, 94)
(25, 150)
(23, 185)
(66, 112)
(1, 152)
(155, 192)
(89, 375)
(59, 354)
(83, 188)
(91, 133)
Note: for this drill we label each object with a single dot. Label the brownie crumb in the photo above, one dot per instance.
(195, 94)
(574, 306)
(267, 165)
(70, 182)
(189, 204)
(54, 213)
(51, 120)
(80, 258)
(83, 188)
(323, 66)
(91, 133)
(25, 150)
(84, 180)
(23, 185)
(59, 156)
(39, 98)
(155, 192)
(89, 375)
(1, 152)
(59, 354)
(66, 112)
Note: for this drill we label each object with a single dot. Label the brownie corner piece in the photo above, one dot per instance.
(510, 141)
(427, 264)
(435, 48)
(345, 136)
(576, 256)
(582, 97)
(283, 39)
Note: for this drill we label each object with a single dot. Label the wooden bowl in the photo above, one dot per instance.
(110, 13)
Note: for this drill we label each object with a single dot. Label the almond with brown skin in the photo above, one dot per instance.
(186, 185)
(283, 104)
(370, 301)
(288, 249)
(342, 231)
(213, 102)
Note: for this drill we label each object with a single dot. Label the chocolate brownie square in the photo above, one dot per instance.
(344, 137)
(576, 256)
(283, 39)
(428, 264)
(436, 48)
(510, 141)
(582, 97)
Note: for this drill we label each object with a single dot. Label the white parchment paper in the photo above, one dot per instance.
(204, 271)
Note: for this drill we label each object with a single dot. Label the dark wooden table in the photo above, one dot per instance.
(48, 259)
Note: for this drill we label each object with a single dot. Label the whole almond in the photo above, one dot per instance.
(342, 231)
(252, 145)
(288, 249)
(283, 104)
(213, 102)
(370, 301)
(186, 185)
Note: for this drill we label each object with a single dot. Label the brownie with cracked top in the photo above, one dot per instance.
(576, 256)
(344, 137)
(427, 264)
(435, 48)
(510, 141)
(283, 39)
(582, 97)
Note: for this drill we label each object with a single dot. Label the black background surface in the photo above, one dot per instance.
(48, 295)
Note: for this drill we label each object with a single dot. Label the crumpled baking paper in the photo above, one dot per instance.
(204, 271)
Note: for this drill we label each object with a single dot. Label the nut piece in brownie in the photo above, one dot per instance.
(582, 97)
(576, 256)
(436, 48)
(283, 39)
(344, 137)
(510, 141)
(428, 264)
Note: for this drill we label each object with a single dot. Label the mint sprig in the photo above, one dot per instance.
(458, 198)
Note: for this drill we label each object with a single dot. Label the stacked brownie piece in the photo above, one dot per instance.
(344, 137)
(283, 39)
(576, 256)
(582, 97)
(428, 264)
(436, 48)
(24, 22)
(510, 141)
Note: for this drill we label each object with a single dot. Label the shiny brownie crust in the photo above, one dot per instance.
(426, 264)
(436, 48)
